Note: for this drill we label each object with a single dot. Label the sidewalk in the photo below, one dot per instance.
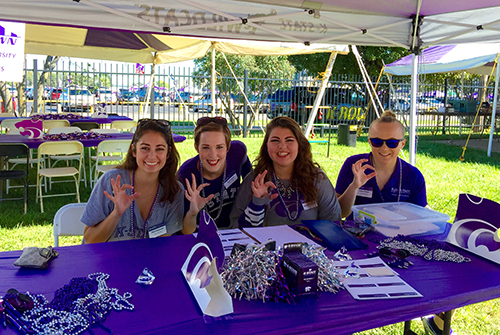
(476, 143)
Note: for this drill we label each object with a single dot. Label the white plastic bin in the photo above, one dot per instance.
(393, 218)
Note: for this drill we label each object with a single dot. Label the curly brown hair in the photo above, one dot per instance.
(167, 176)
(305, 171)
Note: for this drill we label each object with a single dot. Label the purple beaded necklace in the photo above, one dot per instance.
(132, 215)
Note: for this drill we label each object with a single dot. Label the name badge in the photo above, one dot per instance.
(230, 180)
(157, 230)
(365, 193)
(307, 206)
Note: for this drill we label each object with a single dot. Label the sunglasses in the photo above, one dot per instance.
(391, 143)
(165, 124)
(206, 120)
(162, 123)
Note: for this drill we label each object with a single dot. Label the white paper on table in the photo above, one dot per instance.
(280, 234)
(369, 287)
(231, 236)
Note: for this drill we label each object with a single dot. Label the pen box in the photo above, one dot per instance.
(300, 272)
(393, 218)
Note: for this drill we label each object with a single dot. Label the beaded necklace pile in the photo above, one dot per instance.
(84, 302)
(221, 191)
(132, 215)
(288, 191)
(429, 250)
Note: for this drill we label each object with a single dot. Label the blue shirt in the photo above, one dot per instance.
(406, 183)
(99, 207)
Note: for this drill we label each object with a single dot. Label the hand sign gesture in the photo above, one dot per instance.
(120, 197)
(193, 195)
(358, 170)
(260, 187)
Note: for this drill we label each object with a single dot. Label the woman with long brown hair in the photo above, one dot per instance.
(286, 186)
(140, 198)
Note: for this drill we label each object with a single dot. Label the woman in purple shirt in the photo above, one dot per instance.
(380, 176)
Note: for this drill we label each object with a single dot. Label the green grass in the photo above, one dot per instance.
(446, 177)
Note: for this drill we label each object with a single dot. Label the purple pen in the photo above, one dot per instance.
(15, 323)
(15, 316)
(2, 314)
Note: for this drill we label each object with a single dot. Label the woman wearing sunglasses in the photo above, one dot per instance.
(212, 178)
(140, 198)
(286, 186)
(380, 176)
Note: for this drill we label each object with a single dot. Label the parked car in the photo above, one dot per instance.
(186, 97)
(205, 103)
(78, 98)
(55, 93)
(29, 93)
(127, 97)
(428, 105)
(106, 95)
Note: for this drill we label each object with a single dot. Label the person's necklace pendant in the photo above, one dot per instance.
(277, 182)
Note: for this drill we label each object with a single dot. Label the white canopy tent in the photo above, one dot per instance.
(412, 24)
(472, 58)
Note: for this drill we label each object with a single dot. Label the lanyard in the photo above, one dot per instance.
(132, 218)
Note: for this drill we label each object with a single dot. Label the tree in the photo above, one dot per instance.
(259, 68)
(346, 64)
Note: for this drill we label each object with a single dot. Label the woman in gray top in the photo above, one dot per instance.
(141, 198)
(286, 186)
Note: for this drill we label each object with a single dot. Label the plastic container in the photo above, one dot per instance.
(393, 218)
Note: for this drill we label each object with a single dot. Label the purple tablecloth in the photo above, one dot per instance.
(104, 120)
(167, 306)
(35, 143)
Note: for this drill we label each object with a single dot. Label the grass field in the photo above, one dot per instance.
(446, 177)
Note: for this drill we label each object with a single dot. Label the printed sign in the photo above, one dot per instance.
(11, 51)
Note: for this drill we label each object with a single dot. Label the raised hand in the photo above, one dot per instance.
(120, 197)
(358, 170)
(193, 195)
(260, 188)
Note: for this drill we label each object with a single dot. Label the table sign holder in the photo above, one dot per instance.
(99, 111)
(201, 270)
(30, 128)
(477, 227)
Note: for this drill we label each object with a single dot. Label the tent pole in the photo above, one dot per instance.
(413, 108)
(493, 111)
(148, 96)
(321, 91)
(212, 81)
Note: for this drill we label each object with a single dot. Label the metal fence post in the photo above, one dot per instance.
(245, 105)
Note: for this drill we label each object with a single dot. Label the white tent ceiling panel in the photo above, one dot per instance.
(473, 58)
(362, 22)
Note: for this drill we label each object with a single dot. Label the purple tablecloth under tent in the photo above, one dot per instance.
(168, 307)
(35, 143)
(101, 120)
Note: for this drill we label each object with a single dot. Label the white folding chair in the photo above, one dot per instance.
(67, 221)
(53, 148)
(124, 125)
(107, 153)
(68, 158)
(48, 124)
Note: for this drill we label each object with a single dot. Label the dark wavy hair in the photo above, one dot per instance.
(167, 176)
(305, 171)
